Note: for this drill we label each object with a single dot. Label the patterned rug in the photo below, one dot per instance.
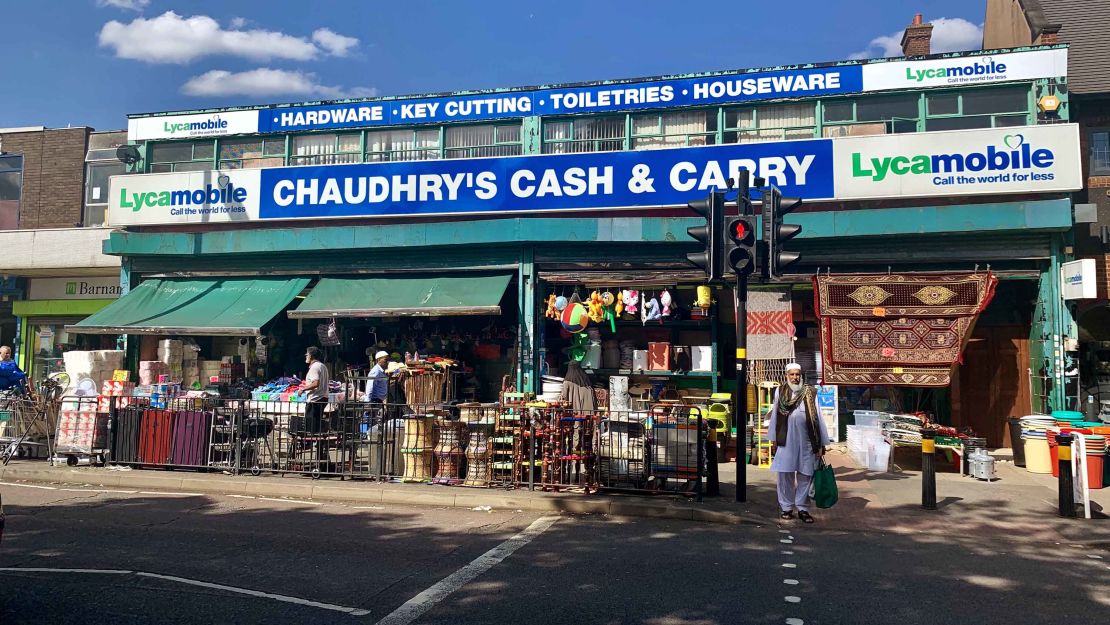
(770, 325)
(907, 330)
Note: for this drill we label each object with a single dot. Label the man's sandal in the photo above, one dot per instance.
(787, 515)
(805, 516)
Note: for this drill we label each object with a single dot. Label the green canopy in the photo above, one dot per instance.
(207, 307)
(385, 297)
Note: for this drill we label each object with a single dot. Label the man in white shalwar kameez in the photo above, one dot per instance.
(798, 439)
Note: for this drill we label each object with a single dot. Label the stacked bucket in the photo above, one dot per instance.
(1041, 451)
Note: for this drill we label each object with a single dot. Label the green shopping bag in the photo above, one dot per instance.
(824, 486)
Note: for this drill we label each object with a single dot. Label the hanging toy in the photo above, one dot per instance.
(552, 312)
(666, 301)
(652, 310)
(609, 303)
(561, 303)
(579, 345)
(596, 311)
(631, 299)
(619, 308)
(575, 318)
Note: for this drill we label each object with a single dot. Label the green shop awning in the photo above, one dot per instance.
(205, 307)
(386, 297)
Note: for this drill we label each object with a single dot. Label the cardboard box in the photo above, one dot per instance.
(639, 360)
(659, 357)
(701, 358)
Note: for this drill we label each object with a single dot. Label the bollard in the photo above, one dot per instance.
(928, 470)
(1066, 484)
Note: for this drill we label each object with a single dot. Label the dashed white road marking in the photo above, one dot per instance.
(786, 541)
(414, 608)
(368, 507)
(28, 486)
(98, 490)
(787, 552)
(194, 582)
(242, 496)
(163, 494)
(784, 531)
(795, 621)
(1093, 556)
(789, 565)
(791, 582)
(793, 599)
(307, 503)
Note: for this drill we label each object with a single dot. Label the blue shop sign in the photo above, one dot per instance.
(702, 91)
(569, 182)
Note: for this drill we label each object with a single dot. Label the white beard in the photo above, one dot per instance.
(797, 388)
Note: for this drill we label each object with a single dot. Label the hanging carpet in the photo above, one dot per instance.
(897, 329)
(770, 325)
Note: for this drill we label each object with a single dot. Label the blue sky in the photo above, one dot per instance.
(91, 62)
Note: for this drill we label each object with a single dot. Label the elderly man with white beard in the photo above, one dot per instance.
(799, 439)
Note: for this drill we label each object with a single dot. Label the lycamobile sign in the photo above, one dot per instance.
(214, 125)
(1016, 155)
(963, 162)
(974, 68)
(206, 200)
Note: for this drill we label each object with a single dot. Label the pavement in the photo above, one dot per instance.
(1018, 503)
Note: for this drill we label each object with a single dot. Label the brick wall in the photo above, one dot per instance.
(53, 175)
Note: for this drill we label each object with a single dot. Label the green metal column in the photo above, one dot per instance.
(526, 376)
(1052, 325)
(533, 135)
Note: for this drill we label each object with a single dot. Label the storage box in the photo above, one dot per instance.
(639, 360)
(659, 357)
(701, 358)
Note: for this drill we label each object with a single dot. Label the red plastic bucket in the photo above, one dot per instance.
(1095, 464)
(1054, 454)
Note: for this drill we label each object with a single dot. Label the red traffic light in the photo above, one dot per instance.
(740, 230)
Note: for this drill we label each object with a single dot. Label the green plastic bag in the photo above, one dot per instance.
(824, 486)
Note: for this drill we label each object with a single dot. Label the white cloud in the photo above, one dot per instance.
(171, 38)
(950, 34)
(130, 5)
(238, 22)
(334, 43)
(266, 82)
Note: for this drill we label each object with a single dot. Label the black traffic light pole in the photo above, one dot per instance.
(740, 303)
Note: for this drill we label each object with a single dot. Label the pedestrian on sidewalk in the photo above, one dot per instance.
(799, 440)
(10, 374)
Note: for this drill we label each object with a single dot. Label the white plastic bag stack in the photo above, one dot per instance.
(87, 370)
(190, 365)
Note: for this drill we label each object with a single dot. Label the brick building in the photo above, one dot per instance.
(53, 196)
(1084, 25)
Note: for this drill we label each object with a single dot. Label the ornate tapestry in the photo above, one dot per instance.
(895, 329)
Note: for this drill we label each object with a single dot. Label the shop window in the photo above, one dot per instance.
(11, 190)
(771, 123)
(886, 108)
(1006, 100)
(252, 153)
(484, 140)
(1100, 152)
(183, 156)
(327, 149)
(97, 176)
(942, 104)
(677, 129)
(584, 134)
(839, 111)
(402, 145)
(958, 123)
(870, 116)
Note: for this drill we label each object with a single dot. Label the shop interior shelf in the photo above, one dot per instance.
(667, 323)
(659, 374)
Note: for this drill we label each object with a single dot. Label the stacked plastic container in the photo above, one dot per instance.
(866, 443)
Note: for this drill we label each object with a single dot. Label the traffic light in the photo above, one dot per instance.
(740, 254)
(740, 251)
(709, 260)
(776, 233)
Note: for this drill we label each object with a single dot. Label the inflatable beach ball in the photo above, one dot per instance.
(575, 319)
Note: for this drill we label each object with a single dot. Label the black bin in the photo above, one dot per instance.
(1015, 441)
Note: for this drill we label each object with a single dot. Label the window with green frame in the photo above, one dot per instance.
(326, 149)
(675, 129)
(771, 123)
(254, 153)
(584, 134)
(183, 156)
(473, 141)
(998, 107)
(870, 116)
(409, 144)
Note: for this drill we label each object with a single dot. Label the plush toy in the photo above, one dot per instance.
(630, 298)
(665, 300)
(597, 310)
(705, 298)
(619, 308)
(609, 305)
(552, 312)
(561, 303)
(652, 310)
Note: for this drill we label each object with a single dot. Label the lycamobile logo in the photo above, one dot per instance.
(974, 69)
(229, 194)
(1016, 154)
(214, 123)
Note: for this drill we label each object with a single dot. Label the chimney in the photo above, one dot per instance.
(915, 41)
(1049, 35)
